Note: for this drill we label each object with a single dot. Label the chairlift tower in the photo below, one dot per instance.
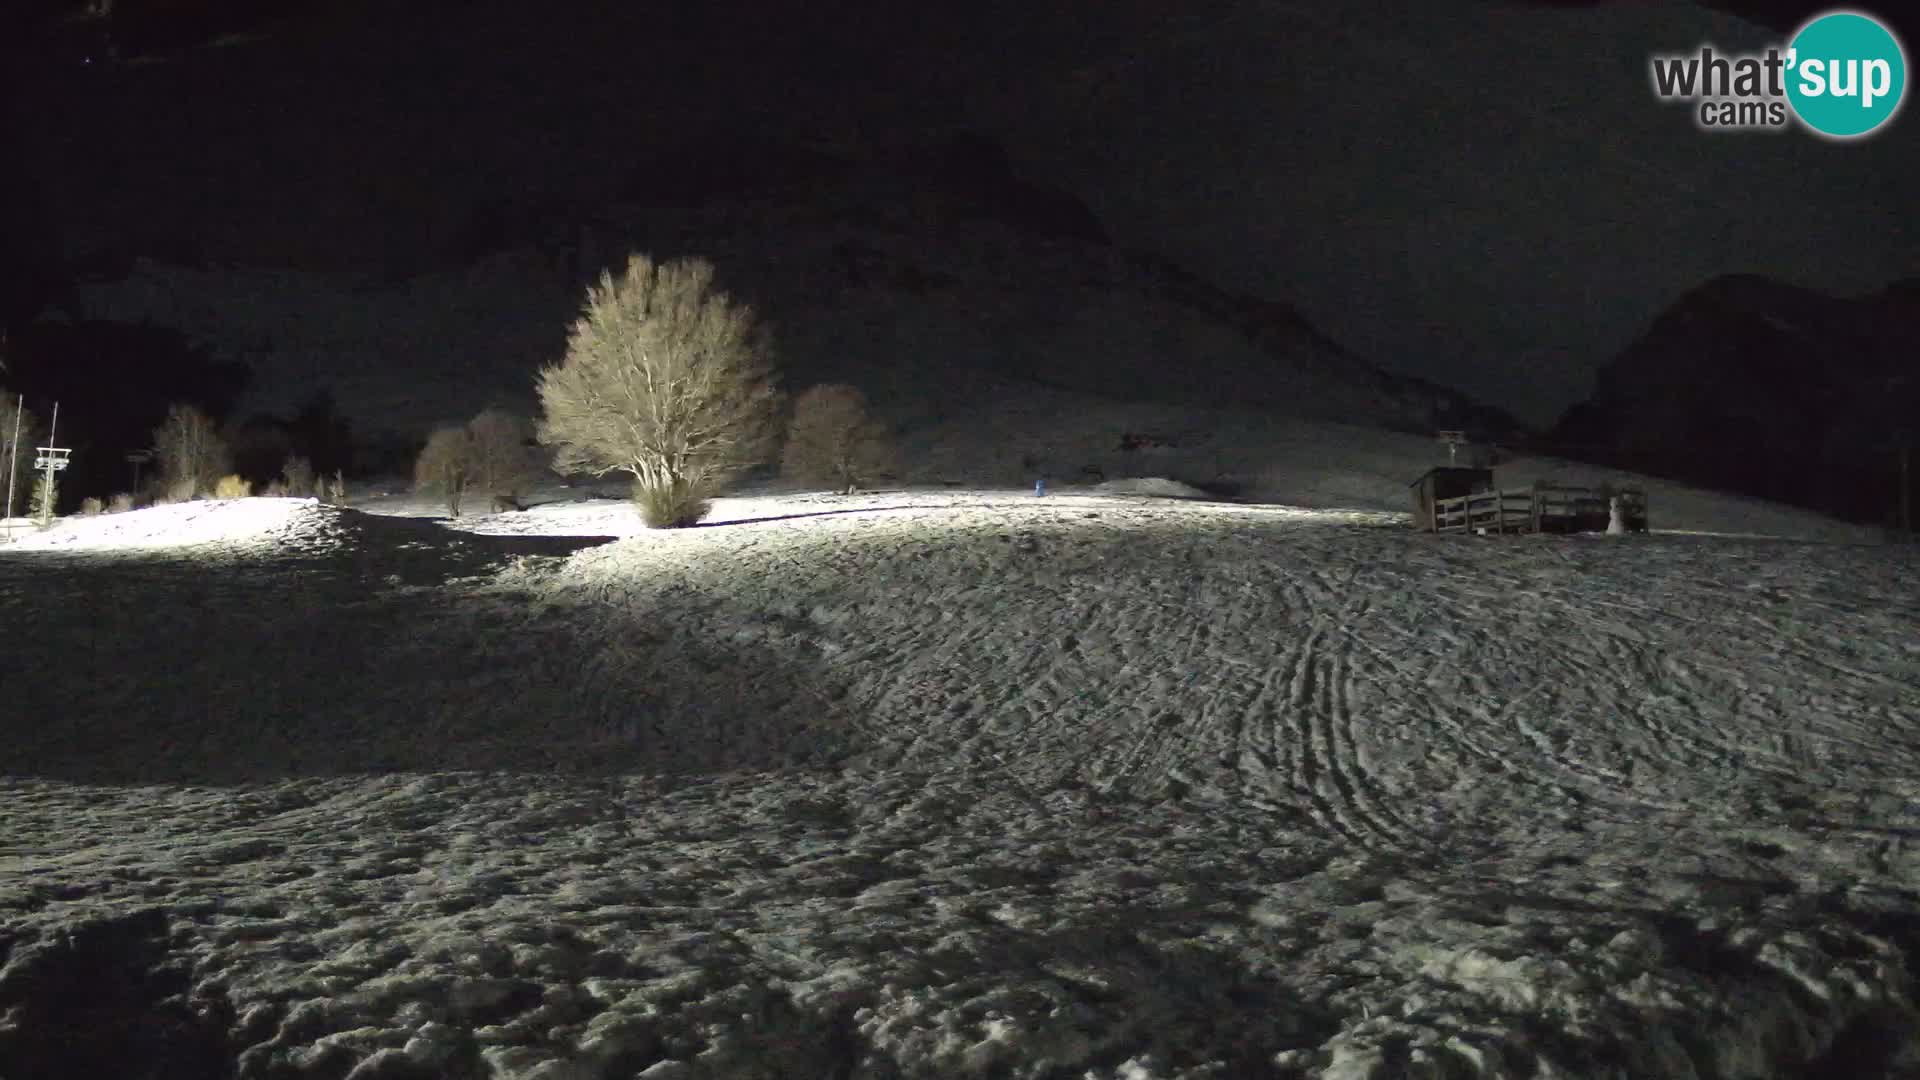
(137, 459)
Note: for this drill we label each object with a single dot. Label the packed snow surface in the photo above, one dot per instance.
(956, 783)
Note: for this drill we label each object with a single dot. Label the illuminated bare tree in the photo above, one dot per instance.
(296, 477)
(503, 462)
(445, 465)
(665, 378)
(832, 440)
(190, 452)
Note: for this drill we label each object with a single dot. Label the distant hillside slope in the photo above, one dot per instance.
(930, 295)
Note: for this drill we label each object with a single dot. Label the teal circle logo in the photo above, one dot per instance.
(1846, 74)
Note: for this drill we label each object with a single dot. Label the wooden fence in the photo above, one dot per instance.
(1545, 508)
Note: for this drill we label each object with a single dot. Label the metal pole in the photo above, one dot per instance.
(13, 460)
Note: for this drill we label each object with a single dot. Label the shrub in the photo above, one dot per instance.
(336, 488)
(92, 507)
(670, 505)
(120, 503)
(231, 486)
(833, 441)
(445, 465)
(191, 454)
(491, 454)
(275, 489)
(665, 378)
(296, 477)
(181, 490)
(504, 462)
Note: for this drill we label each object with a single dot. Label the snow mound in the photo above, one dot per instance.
(1157, 486)
(244, 528)
(223, 522)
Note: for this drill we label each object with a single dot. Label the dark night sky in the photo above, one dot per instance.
(1483, 194)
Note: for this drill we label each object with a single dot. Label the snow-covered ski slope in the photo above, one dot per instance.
(1258, 456)
(952, 783)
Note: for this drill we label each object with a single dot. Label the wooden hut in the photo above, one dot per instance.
(1445, 482)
